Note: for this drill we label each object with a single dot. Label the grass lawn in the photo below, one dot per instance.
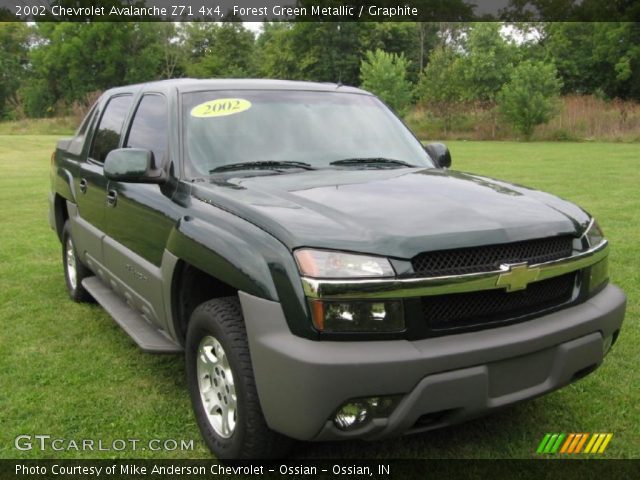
(67, 370)
(63, 126)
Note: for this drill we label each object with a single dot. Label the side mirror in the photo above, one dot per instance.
(439, 153)
(132, 165)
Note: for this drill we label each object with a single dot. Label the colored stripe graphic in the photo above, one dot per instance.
(606, 442)
(591, 442)
(598, 443)
(551, 443)
(568, 442)
(543, 443)
(573, 443)
(582, 442)
(556, 446)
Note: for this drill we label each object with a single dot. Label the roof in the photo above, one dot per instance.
(194, 85)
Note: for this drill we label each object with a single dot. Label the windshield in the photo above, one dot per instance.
(317, 128)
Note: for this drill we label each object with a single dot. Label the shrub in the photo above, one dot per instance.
(530, 98)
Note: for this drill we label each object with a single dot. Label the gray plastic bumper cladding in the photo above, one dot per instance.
(445, 380)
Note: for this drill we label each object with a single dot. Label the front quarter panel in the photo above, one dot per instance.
(63, 183)
(242, 255)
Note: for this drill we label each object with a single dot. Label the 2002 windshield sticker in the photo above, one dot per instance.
(220, 107)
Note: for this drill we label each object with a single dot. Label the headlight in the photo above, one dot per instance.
(598, 273)
(350, 316)
(594, 234)
(327, 264)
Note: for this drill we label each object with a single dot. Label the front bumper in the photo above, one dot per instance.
(445, 380)
(51, 213)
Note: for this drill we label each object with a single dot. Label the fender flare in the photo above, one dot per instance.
(242, 255)
(64, 184)
(222, 255)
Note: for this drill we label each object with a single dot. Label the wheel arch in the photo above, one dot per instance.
(190, 287)
(211, 262)
(60, 212)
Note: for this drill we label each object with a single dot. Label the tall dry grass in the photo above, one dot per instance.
(590, 118)
(580, 118)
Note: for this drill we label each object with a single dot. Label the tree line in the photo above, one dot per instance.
(517, 69)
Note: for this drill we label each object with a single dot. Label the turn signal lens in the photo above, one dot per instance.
(598, 274)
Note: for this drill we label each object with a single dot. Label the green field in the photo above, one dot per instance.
(67, 370)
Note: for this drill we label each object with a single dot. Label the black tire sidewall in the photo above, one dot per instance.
(203, 324)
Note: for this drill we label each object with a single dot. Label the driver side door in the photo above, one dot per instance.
(139, 216)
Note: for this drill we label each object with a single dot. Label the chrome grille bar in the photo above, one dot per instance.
(336, 289)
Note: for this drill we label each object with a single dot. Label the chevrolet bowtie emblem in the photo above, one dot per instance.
(517, 276)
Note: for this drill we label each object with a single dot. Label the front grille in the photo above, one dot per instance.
(489, 258)
(459, 310)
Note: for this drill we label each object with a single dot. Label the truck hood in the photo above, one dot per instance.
(392, 212)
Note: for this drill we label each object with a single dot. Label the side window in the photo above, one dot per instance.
(108, 132)
(149, 127)
(75, 147)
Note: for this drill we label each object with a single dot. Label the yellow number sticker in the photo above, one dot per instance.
(220, 107)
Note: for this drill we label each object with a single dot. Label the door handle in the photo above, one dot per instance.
(83, 185)
(112, 198)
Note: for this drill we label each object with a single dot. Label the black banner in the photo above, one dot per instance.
(319, 10)
(537, 469)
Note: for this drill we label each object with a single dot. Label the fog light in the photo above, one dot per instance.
(352, 415)
(358, 412)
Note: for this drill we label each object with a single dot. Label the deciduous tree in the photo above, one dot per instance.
(441, 86)
(385, 74)
(71, 59)
(223, 49)
(14, 44)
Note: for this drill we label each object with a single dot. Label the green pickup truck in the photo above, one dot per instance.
(326, 276)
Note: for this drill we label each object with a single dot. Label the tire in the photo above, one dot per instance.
(220, 376)
(74, 270)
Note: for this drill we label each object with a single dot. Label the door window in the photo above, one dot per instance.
(107, 135)
(149, 127)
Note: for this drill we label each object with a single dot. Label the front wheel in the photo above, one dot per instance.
(74, 269)
(222, 385)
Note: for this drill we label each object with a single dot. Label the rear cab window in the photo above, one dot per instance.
(107, 136)
(78, 140)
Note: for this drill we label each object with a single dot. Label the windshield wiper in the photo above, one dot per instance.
(269, 164)
(371, 161)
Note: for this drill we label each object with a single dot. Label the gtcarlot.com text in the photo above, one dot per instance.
(43, 443)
